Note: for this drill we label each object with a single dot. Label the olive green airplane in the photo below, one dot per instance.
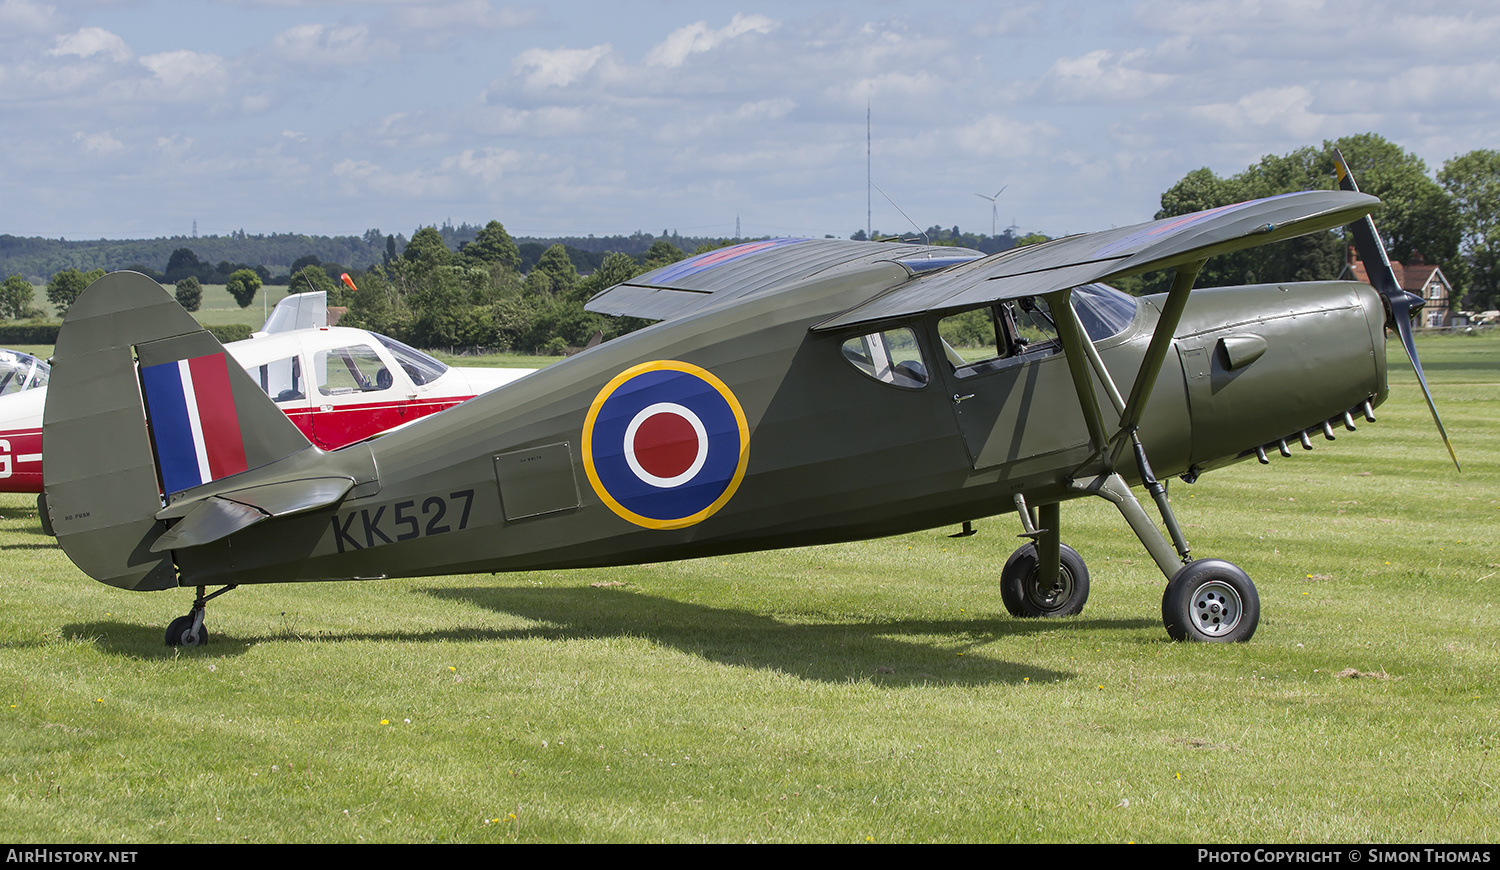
(793, 392)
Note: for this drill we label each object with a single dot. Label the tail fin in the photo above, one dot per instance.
(143, 402)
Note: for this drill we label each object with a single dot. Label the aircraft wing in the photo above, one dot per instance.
(740, 270)
(1068, 262)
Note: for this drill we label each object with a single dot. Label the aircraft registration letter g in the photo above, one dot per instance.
(665, 444)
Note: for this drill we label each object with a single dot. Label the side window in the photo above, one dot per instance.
(891, 357)
(970, 338)
(352, 369)
(280, 379)
(1034, 326)
(981, 339)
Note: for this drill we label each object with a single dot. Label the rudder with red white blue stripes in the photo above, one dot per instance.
(195, 428)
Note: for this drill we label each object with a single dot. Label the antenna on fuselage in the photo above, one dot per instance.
(913, 223)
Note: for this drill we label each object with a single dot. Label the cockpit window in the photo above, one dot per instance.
(353, 369)
(981, 339)
(21, 371)
(1103, 310)
(280, 379)
(421, 368)
(891, 357)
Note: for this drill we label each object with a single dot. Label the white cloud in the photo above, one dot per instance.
(464, 16)
(320, 45)
(486, 164)
(1101, 75)
(98, 144)
(91, 41)
(557, 68)
(24, 16)
(999, 136)
(698, 38)
(544, 122)
(185, 75)
(1285, 110)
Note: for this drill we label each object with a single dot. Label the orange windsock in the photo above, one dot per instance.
(350, 281)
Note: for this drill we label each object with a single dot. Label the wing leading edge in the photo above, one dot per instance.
(1068, 262)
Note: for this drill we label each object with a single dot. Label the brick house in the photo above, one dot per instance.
(1426, 281)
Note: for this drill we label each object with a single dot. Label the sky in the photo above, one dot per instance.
(140, 119)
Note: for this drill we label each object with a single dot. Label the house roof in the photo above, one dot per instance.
(1415, 277)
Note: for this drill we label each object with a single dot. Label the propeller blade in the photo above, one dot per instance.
(1383, 277)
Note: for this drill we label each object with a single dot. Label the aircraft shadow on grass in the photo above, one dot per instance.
(900, 652)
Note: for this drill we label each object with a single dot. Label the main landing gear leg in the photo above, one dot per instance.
(1046, 577)
(188, 630)
(1206, 599)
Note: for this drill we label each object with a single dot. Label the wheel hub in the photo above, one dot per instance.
(1061, 591)
(1216, 608)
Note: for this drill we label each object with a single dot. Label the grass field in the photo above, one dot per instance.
(870, 692)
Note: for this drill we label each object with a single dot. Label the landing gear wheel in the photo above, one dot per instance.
(187, 631)
(1023, 598)
(1210, 600)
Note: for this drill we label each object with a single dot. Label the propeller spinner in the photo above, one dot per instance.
(1399, 302)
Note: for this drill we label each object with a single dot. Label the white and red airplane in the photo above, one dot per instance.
(338, 384)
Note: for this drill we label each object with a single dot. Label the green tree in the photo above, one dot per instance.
(426, 250)
(310, 279)
(491, 246)
(1473, 181)
(242, 286)
(190, 294)
(616, 268)
(1416, 214)
(663, 253)
(558, 269)
(66, 286)
(16, 295)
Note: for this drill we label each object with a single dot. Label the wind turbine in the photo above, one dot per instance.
(994, 209)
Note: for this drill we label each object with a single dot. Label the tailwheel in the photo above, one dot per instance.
(1020, 584)
(1210, 600)
(187, 630)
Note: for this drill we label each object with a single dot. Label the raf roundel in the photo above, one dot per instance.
(665, 444)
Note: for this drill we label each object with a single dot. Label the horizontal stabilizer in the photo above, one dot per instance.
(211, 519)
(1069, 262)
(222, 514)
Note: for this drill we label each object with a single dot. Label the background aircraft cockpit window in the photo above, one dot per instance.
(1103, 310)
(280, 379)
(352, 369)
(891, 357)
(421, 368)
(21, 371)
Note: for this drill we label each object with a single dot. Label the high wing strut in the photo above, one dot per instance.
(1084, 361)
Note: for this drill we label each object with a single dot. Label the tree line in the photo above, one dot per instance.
(1451, 221)
(489, 291)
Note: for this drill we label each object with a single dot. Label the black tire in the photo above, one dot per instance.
(180, 632)
(1018, 585)
(1212, 601)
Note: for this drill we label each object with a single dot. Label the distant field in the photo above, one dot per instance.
(869, 692)
(219, 308)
